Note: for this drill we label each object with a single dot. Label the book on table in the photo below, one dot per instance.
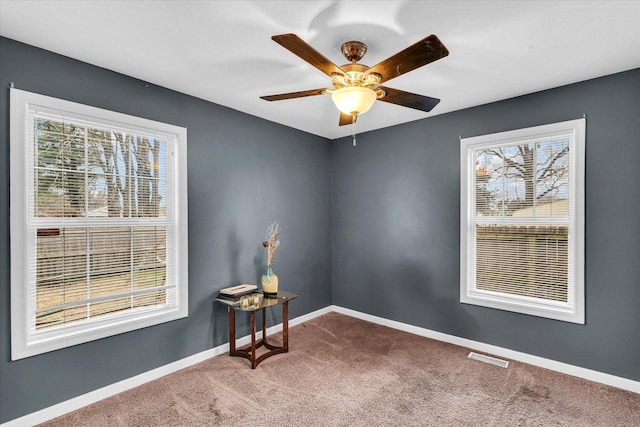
(228, 299)
(234, 293)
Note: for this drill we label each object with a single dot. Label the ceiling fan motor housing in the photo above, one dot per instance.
(355, 75)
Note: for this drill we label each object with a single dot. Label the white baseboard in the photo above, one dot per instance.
(565, 368)
(124, 385)
(75, 403)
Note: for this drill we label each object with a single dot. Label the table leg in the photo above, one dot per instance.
(253, 340)
(285, 326)
(232, 330)
(264, 324)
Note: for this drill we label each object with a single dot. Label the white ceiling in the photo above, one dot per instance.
(222, 51)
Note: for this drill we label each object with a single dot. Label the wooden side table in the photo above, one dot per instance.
(249, 351)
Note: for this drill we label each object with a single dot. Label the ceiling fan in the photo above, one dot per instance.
(356, 86)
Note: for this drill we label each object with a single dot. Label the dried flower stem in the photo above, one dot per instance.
(272, 241)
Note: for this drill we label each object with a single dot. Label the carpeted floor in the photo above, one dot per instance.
(341, 371)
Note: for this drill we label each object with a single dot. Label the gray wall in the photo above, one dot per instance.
(396, 225)
(243, 173)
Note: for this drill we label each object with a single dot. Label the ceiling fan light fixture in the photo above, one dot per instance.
(354, 100)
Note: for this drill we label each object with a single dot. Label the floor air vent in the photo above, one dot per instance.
(489, 359)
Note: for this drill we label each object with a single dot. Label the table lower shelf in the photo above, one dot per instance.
(250, 353)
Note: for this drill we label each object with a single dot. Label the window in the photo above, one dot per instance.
(522, 221)
(98, 223)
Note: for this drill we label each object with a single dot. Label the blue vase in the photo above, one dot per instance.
(270, 281)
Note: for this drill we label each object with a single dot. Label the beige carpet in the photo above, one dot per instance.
(342, 371)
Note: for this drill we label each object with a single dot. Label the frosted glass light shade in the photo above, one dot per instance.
(354, 100)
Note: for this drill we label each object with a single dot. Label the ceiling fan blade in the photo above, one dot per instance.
(291, 95)
(417, 55)
(347, 119)
(299, 47)
(408, 99)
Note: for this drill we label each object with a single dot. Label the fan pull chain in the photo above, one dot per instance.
(353, 128)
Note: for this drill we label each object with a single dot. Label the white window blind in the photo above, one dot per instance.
(522, 226)
(99, 226)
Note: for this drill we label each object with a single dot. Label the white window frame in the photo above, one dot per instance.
(26, 341)
(571, 311)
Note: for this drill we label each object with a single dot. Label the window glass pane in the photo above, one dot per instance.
(59, 145)
(60, 160)
(49, 198)
(62, 276)
(99, 151)
(524, 180)
(504, 179)
(123, 172)
(110, 260)
(148, 170)
(98, 196)
(149, 257)
(106, 177)
(61, 273)
(59, 194)
(552, 178)
(111, 158)
(529, 261)
(134, 173)
(73, 189)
